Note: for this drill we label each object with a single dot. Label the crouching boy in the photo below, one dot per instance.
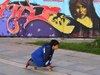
(43, 55)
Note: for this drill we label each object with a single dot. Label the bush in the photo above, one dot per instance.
(97, 42)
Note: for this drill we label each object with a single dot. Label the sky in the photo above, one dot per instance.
(63, 5)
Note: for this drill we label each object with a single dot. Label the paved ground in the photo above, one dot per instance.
(13, 57)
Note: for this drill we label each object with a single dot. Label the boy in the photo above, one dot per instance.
(43, 55)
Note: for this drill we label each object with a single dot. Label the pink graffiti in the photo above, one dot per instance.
(17, 13)
(96, 1)
(54, 0)
(84, 35)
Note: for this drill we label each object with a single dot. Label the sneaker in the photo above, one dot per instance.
(28, 63)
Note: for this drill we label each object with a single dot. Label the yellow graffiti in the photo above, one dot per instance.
(86, 22)
(60, 23)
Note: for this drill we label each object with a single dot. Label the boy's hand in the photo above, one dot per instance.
(48, 67)
(51, 66)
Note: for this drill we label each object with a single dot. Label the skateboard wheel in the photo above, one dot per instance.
(50, 69)
(34, 68)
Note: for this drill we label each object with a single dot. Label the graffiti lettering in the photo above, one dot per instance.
(2, 7)
(15, 7)
(18, 10)
(96, 1)
(43, 12)
(61, 23)
(84, 35)
(31, 16)
(54, 0)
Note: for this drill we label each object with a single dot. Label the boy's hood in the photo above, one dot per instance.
(45, 44)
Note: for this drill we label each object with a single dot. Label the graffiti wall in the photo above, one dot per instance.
(50, 18)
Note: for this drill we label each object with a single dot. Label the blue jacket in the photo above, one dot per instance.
(43, 55)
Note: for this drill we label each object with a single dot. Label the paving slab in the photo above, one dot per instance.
(12, 70)
(80, 67)
(94, 71)
(79, 73)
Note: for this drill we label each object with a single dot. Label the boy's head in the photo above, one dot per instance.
(54, 44)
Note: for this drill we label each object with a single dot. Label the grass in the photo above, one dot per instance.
(92, 47)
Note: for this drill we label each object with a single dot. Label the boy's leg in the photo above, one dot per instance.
(28, 63)
(32, 63)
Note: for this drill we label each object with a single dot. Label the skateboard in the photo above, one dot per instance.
(51, 69)
(35, 68)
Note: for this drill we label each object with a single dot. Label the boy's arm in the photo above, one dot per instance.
(47, 58)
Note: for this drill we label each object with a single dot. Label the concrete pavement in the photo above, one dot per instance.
(14, 54)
